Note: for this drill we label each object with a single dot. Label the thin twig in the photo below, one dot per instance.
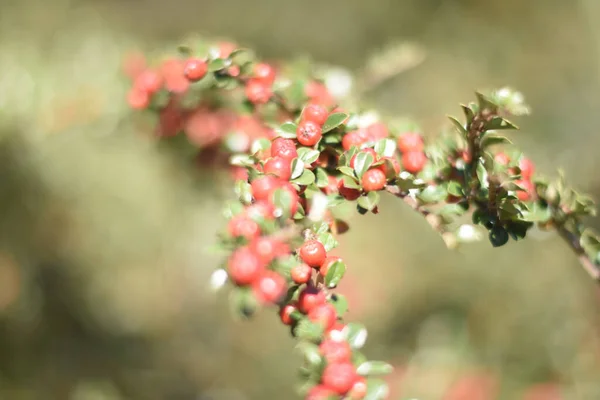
(573, 241)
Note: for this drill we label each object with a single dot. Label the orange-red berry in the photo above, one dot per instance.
(373, 180)
(301, 273)
(313, 253)
(195, 69)
(244, 266)
(339, 377)
(409, 142)
(308, 133)
(414, 161)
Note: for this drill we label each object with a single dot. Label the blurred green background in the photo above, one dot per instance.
(104, 261)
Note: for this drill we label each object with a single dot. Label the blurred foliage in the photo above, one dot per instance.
(104, 259)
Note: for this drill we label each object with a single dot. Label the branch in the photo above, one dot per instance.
(573, 241)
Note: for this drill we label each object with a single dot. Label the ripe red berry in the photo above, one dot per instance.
(263, 186)
(359, 389)
(327, 263)
(320, 392)
(243, 226)
(195, 69)
(260, 210)
(339, 377)
(285, 313)
(315, 113)
(267, 248)
(377, 131)
(284, 148)
(346, 192)
(269, 287)
(138, 99)
(395, 165)
(244, 266)
(525, 195)
(414, 161)
(280, 167)
(308, 133)
(527, 168)
(409, 142)
(373, 180)
(149, 81)
(301, 273)
(367, 150)
(352, 139)
(309, 298)
(335, 351)
(323, 314)
(258, 92)
(265, 73)
(313, 253)
(502, 158)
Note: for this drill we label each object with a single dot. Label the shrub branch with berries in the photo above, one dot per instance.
(298, 160)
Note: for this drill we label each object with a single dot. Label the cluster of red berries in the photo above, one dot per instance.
(527, 169)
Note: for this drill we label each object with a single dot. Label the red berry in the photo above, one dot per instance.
(335, 351)
(339, 377)
(244, 266)
(258, 92)
(315, 113)
(367, 150)
(320, 392)
(327, 263)
(285, 313)
(284, 148)
(138, 99)
(352, 139)
(301, 273)
(335, 331)
(313, 253)
(240, 225)
(195, 69)
(332, 185)
(260, 210)
(323, 314)
(525, 195)
(502, 158)
(263, 186)
(309, 298)
(373, 180)
(395, 165)
(280, 167)
(148, 81)
(410, 142)
(527, 168)
(270, 287)
(265, 73)
(414, 161)
(377, 131)
(308, 133)
(346, 192)
(359, 389)
(267, 249)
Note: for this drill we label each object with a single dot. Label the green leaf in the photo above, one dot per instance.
(482, 175)
(321, 179)
(328, 241)
(241, 56)
(355, 334)
(242, 160)
(244, 191)
(335, 273)
(305, 179)
(370, 201)
(346, 171)
(216, 65)
(371, 368)
(287, 130)
(458, 124)
(455, 189)
(243, 303)
(498, 236)
(432, 194)
(362, 163)
(297, 168)
(233, 208)
(282, 199)
(311, 353)
(499, 123)
(306, 330)
(307, 155)
(377, 389)
(491, 140)
(450, 212)
(536, 213)
(385, 147)
(340, 303)
(260, 145)
(469, 114)
(485, 103)
(333, 121)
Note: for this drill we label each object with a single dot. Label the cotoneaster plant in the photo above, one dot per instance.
(296, 157)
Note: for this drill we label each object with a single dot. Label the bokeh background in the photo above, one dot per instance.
(104, 240)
